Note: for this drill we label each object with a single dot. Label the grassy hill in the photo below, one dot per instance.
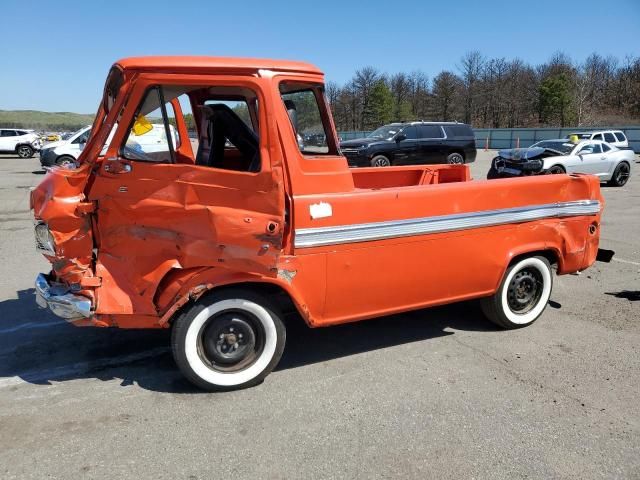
(54, 121)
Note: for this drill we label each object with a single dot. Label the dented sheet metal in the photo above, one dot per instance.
(164, 217)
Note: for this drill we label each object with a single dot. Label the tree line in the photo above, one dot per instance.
(495, 93)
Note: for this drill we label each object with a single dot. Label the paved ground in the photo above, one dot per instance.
(437, 393)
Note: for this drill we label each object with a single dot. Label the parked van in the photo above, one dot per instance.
(66, 152)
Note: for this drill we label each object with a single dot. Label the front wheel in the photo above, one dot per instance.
(620, 175)
(523, 294)
(25, 151)
(556, 170)
(228, 340)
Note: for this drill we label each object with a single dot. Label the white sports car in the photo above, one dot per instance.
(598, 158)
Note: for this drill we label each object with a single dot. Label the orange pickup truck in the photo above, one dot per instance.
(216, 240)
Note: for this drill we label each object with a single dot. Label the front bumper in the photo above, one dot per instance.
(56, 297)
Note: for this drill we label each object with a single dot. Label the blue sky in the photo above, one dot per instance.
(55, 55)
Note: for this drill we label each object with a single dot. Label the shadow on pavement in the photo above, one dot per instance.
(38, 348)
(631, 295)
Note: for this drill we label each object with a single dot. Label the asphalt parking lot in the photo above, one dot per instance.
(437, 393)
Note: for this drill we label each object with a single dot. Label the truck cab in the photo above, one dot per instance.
(215, 238)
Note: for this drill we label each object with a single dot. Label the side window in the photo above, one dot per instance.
(605, 147)
(597, 148)
(310, 126)
(7, 133)
(608, 137)
(430, 131)
(620, 136)
(229, 136)
(152, 138)
(597, 137)
(82, 138)
(411, 132)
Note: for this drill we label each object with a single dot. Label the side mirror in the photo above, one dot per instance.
(400, 137)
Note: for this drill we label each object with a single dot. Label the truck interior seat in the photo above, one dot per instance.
(222, 124)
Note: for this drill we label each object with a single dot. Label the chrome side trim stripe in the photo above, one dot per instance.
(364, 232)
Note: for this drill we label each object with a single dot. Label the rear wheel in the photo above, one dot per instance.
(228, 340)
(25, 151)
(455, 158)
(380, 161)
(523, 294)
(556, 170)
(620, 175)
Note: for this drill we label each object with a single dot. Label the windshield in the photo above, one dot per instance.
(561, 146)
(74, 134)
(387, 132)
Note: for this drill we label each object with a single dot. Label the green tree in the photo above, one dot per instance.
(555, 97)
(381, 105)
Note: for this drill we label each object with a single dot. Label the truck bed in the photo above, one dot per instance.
(392, 177)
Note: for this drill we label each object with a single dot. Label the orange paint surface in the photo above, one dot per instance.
(143, 239)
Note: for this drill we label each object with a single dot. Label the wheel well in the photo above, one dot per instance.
(557, 165)
(23, 145)
(550, 255)
(274, 292)
(455, 150)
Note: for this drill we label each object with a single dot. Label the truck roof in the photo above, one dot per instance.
(187, 63)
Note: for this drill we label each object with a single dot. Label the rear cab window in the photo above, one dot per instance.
(305, 105)
(620, 136)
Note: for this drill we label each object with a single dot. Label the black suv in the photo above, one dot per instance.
(412, 143)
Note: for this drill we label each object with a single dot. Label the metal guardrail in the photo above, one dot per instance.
(497, 138)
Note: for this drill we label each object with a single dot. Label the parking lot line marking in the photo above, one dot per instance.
(65, 371)
(621, 260)
(32, 325)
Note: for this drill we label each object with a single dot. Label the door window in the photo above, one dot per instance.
(597, 137)
(430, 131)
(411, 132)
(151, 138)
(608, 137)
(605, 147)
(82, 138)
(597, 148)
(7, 133)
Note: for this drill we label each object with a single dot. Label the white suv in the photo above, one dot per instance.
(612, 137)
(22, 142)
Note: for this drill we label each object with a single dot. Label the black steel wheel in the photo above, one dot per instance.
(228, 340)
(523, 293)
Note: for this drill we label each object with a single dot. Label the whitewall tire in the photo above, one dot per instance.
(523, 294)
(228, 340)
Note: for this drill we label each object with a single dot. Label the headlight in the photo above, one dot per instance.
(44, 240)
